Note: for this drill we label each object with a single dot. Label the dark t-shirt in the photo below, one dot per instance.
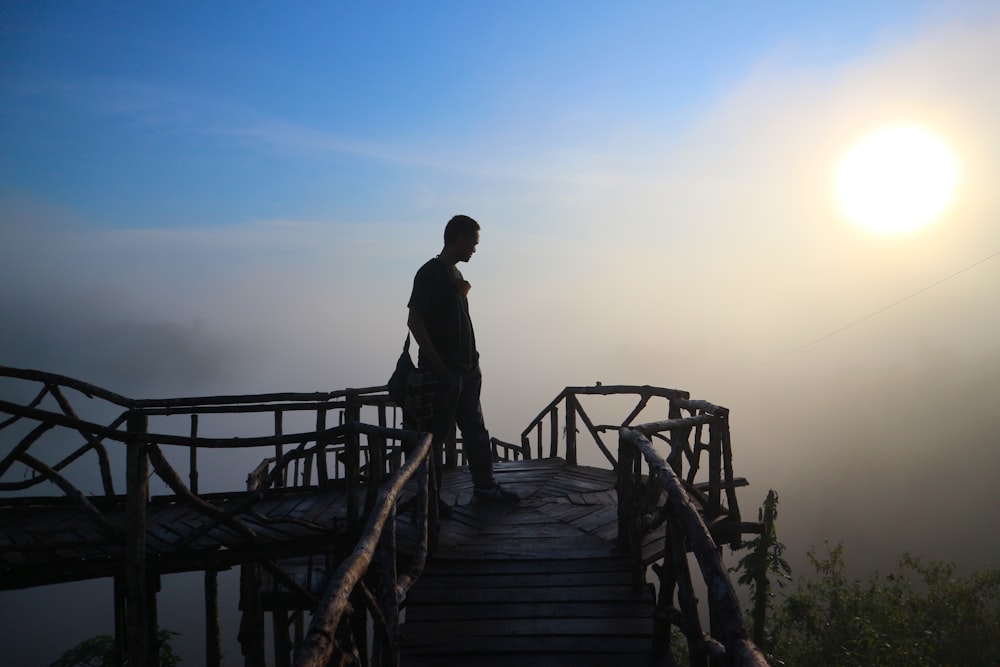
(445, 311)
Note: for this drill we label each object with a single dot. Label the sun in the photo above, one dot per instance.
(896, 179)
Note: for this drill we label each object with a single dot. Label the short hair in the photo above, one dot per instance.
(458, 227)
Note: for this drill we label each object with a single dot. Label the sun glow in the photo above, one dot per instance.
(896, 179)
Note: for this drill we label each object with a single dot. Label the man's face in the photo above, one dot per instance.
(468, 247)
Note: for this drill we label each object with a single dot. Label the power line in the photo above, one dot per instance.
(879, 311)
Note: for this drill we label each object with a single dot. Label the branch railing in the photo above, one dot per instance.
(545, 432)
(330, 639)
(367, 460)
(44, 438)
(691, 492)
(655, 494)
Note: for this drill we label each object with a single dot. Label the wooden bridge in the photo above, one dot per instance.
(337, 531)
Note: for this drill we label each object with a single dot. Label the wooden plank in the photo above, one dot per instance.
(514, 647)
(561, 659)
(609, 593)
(502, 630)
(446, 567)
(531, 610)
(547, 579)
(599, 516)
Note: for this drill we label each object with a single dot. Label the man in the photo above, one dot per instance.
(440, 323)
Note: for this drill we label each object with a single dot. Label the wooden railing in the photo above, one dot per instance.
(543, 432)
(61, 423)
(656, 494)
(329, 638)
(692, 490)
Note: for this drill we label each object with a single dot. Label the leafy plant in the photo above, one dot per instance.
(99, 651)
(921, 614)
(765, 558)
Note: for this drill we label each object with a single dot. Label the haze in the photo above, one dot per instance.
(200, 200)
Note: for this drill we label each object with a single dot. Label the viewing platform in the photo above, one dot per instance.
(337, 534)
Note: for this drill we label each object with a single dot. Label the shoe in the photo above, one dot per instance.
(495, 494)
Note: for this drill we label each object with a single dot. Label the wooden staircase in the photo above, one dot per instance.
(539, 583)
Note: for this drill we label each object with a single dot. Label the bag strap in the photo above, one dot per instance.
(406, 345)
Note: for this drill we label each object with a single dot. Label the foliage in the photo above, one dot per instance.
(920, 614)
(99, 651)
(765, 557)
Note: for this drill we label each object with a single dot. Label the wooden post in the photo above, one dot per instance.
(376, 469)
(686, 599)
(553, 434)
(727, 462)
(714, 470)
(321, 473)
(664, 615)
(193, 465)
(121, 624)
(357, 626)
(623, 485)
(213, 640)
(352, 465)
(386, 652)
(679, 437)
(282, 642)
(571, 429)
(279, 449)
(139, 652)
(152, 621)
(251, 634)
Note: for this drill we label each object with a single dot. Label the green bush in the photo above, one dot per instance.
(920, 614)
(99, 651)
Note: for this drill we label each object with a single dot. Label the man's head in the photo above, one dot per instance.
(458, 227)
(461, 235)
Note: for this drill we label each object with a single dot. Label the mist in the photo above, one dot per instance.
(862, 372)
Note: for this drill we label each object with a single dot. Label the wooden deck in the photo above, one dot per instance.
(539, 583)
(45, 541)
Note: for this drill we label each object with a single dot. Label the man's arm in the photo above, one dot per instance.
(419, 330)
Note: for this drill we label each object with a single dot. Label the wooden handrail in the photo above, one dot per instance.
(739, 650)
(573, 409)
(363, 455)
(319, 643)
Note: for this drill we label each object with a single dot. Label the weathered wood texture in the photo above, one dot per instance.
(320, 644)
(685, 524)
(50, 543)
(558, 579)
(539, 583)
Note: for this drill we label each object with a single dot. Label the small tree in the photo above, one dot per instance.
(99, 651)
(766, 557)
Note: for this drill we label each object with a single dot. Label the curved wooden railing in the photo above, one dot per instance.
(659, 495)
(690, 493)
(694, 431)
(59, 424)
(354, 437)
(375, 551)
(545, 428)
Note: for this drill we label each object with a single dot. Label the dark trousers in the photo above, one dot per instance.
(457, 402)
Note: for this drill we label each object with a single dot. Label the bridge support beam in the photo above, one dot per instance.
(140, 596)
(251, 634)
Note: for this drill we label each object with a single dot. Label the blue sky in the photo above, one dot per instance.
(203, 198)
(176, 115)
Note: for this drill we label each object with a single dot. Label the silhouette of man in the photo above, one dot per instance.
(440, 323)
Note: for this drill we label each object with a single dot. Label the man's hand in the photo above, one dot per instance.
(419, 330)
